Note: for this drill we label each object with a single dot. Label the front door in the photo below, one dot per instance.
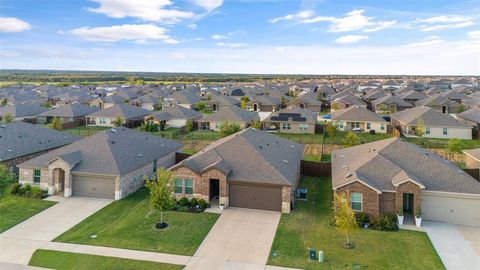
(408, 203)
(214, 188)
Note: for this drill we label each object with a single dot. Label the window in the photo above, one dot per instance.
(286, 126)
(36, 176)
(445, 131)
(178, 186)
(356, 201)
(382, 126)
(368, 125)
(427, 130)
(303, 127)
(188, 186)
(102, 120)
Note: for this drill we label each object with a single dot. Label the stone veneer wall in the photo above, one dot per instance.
(25, 176)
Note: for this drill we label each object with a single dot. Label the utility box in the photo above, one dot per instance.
(321, 256)
(312, 254)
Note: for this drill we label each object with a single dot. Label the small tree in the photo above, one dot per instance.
(4, 101)
(200, 106)
(126, 101)
(331, 129)
(335, 107)
(344, 216)
(420, 128)
(118, 121)
(189, 126)
(283, 102)
(56, 124)
(461, 109)
(228, 129)
(454, 146)
(351, 139)
(7, 118)
(161, 193)
(48, 105)
(257, 124)
(243, 104)
(6, 178)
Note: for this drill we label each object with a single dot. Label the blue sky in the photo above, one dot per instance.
(243, 36)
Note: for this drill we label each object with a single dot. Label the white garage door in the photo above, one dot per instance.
(460, 210)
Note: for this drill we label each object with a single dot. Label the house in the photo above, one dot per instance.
(107, 101)
(436, 124)
(390, 104)
(412, 96)
(472, 158)
(462, 82)
(249, 169)
(109, 164)
(308, 101)
(291, 120)
(67, 113)
(345, 101)
(392, 175)
(215, 102)
(175, 116)
(20, 141)
(106, 117)
(471, 117)
(20, 111)
(185, 99)
(360, 119)
(232, 115)
(264, 103)
(147, 102)
(442, 104)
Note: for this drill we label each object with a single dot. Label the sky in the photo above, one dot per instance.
(411, 37)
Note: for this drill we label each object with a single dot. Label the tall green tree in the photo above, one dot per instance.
(189, 126)
(344, 216)
(454, 146)
(7, 118)
(56, 124)
(257, 124)
(161, 192)
(228, 129)
(4, 101)
(420, 128)
(118, 121)
(6, 178)
(331, 129)
(351, 139)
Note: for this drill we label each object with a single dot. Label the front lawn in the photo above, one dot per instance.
(309, 226)
(72, 261)
(129, 223)
(15, 209)
(85, 130)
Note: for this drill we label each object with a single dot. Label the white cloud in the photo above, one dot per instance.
(219, 37)
(430, 40)
(348, 39)
(231, 45)
(140, 33)
(192, 26)
(352, 21)
(209, 5)
(444, 23)
(147, 10)
(13, 25)
(474, 34)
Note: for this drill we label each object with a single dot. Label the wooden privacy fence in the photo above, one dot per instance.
(315, 169)
(475, 173)
(180, 156)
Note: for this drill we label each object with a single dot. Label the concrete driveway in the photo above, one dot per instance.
(240, 239)
(19, 242)
(455, 244)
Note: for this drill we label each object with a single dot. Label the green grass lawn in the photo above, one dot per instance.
(15, 209)
(302, 138)
(85, 130)
(73, 261)
(364, 137)
(129, 223)
(441, 143)
(174, 133)
(309, 226)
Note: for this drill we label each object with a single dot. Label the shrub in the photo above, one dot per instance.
(25, 190)
(386, 222)
(15, 189)
(183, 201)
(193, 202)
(202, 203)
(362, 218)
(36, 193)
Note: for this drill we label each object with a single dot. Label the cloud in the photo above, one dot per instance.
(192, 26)
(13, 25)
(352, 21)
(148, 10)
(430, 40)
(140, 33)
(231, 45)
(348, 39)
(209, 5)
(219, 37)
(444, 23)
(474, 34)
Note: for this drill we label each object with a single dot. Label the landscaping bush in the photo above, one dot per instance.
(28, 191)
(193, 202)
(386, 222)
(362, 219)
(183, 201)
(25, 190)
(202, 203)
(36, 193)
(15, 189)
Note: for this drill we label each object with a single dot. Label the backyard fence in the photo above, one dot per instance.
(475, 173)
(315, 169)
(180, 156)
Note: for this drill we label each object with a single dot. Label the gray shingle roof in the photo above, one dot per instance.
(389, 100)
(251, 156)
(384, 163)
(429, 116)
(475, 153)
(355, 113)
(22, 109)
(472, 114)
(111, 152)
(121, 110)
(176, 112)
(311, 117)
(308, 98)
(231, 114)
(70, 110)
(19, 139)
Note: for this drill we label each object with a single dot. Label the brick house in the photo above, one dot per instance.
(263, 177)
(391, 175)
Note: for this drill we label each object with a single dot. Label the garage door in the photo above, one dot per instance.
(462, 210)
(255, 197)
(91, 186)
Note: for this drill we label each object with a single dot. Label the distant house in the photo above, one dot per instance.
(108, 101)
(264, 103)
(442, 104)
(215, 102)
(412, 96)
(436, 124)
(472, 158)
(185, 99)
(291, 120)
(20, 111)
(67, 113)
(471, 117)
(106, 117)
(359, 119)
(109, 164)
(308, 101)
(462, 82)
(147, 102)
(346, 101)
(231, 115)
(20, 141)
(391, 175)
(390, 104)
(250, 169)
(175, 116)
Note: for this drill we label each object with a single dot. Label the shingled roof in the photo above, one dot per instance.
(175, 112)
(22, 109)
(121, 110)
(269, 159)
(384, 164)
(19, 139)
(70, 110)
(429, 116)
(355, 113)
(231, 114)
(116, 151)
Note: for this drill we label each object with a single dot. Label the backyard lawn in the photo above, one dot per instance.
(72, 261)
(309, 226)
(338, 139)
(441, 143)
(85, 130)
(129, 223)
(15, 209)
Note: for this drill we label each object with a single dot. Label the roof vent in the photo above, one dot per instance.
(9, 150)
(427, 154)
(114, 130)
(292, 146)
(65, 137)
(162, 145)
(140, 155)
(286, 161)
(3, 126)
(348, 175)
(113, 142)
(342, 155)
(260, 147)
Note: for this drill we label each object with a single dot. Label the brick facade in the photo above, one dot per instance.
(388, 202)
(12, 163)
(409, 187)
(370, 197)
